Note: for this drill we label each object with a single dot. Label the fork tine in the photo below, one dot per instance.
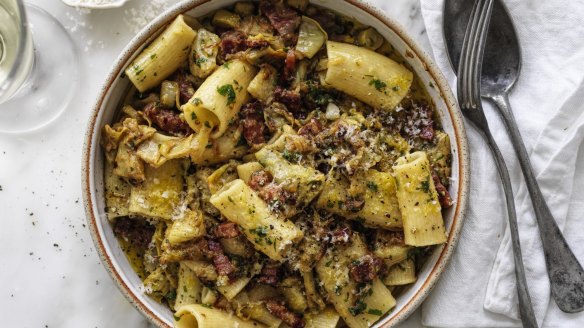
(472, 52)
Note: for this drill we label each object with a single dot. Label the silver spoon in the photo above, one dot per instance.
(501, 65)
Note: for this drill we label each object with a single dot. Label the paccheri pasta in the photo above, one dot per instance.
(276, 165)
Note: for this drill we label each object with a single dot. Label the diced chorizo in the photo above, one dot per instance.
(289, 66)
(269, 275)
(284, 19)
(275, 193)
(259, 179)
(214, 247)
(311, 128)
(235, 41)
(290, 98)
(223, 266)
(185, 87)
(365, 269)
(167, 119)
(340, 235)
(443, 194)
(278, 309)
(232, 42)
(227, 230)
(253, 123)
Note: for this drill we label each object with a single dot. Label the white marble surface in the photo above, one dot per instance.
(50, 273)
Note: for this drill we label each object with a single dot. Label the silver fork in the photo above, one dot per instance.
(469, 97)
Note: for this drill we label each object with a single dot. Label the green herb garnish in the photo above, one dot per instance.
(200, 60)
(378, 84)
(227, 91)
(291, 157)
(359, 307)
(374, 312)
(373, 186)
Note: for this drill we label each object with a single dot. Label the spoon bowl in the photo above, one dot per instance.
(502, 58)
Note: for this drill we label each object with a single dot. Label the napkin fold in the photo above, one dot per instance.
(478, 288)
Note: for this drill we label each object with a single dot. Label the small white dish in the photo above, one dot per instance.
(95, 4)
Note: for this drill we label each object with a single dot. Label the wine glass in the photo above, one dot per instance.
(38, 67)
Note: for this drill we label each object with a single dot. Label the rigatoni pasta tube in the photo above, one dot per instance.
(189, 287)
(366, 75)
(377, 190)
(197, 315)
(333, 272)
(164, 56)
(269, 234)
(402, 273)
(218, 100)
(418, 201)
(328, 318)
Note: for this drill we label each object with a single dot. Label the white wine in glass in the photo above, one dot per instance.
(38, 67)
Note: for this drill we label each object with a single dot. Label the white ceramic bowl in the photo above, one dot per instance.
(116, 86)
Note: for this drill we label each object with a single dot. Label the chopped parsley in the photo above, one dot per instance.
(152, 57)
(372, 186)
(138, 70)
(201, 60)
(177, 319)
(378, 84)
(425, 185)
(207, 124)
(260, 231)
(171, 295)
(359, 308)
(228, 92)
(193, 116)
(197, 101)
(291, 157)
(374, 312)
(395, 88)
(320, 96)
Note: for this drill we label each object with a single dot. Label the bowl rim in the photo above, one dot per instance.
(444, 91)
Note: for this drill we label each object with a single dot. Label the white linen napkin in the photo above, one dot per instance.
(478, 287)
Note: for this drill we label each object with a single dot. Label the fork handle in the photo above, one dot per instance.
(525, 307)
(565, 272)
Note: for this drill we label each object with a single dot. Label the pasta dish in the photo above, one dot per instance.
(275, 164)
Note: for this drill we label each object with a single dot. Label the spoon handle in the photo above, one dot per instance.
(525, 307)
(565, 272)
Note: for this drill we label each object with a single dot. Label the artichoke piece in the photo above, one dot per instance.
(189, 227)
(157, 284)
(244, 8)
(370, 38)
(226, 19)
(264, 83)
(203, 58)
(291, 288)
(169, 94)
(310, 38)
